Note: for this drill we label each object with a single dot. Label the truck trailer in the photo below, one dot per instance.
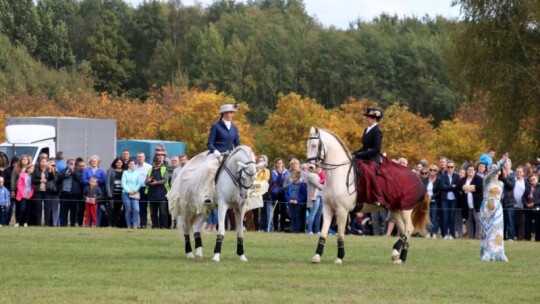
(75, 137)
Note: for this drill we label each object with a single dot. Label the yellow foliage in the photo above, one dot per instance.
(286, 129)
(406, 134)
(194, 113)
(459, 141)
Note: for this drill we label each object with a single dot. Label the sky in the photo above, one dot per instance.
(340, 13)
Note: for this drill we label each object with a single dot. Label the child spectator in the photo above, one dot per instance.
(4, 202)
(296, 196)
(91, 194)
(25, 191)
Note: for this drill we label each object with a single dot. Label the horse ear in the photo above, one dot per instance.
(314, 130)
(241, 165)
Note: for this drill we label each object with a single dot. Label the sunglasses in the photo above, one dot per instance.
(450, 167)
(433, 170)
(424, 172)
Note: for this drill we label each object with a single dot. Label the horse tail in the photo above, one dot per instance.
(420, 214)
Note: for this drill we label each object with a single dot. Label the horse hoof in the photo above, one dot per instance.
(338, 261)
(243, 258)
(190, 255)
(398, 262)
(198, 253)
(316, 259)
(395, 255)
(216, 258)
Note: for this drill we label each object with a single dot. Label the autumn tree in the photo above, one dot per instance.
(286, 129)
(193, 115)
(459, 141)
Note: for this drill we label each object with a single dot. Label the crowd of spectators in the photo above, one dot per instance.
(83, 193)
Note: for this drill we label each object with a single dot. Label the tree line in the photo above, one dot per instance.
(253, 51)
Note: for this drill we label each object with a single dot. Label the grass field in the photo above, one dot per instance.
(76, 265)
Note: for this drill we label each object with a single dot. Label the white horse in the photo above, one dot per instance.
(339, 196)
(232, 188)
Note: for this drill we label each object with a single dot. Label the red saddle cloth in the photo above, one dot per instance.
(389, 183)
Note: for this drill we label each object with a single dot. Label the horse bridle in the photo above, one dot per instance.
(237, 180)
(321, 157)
(320, 150)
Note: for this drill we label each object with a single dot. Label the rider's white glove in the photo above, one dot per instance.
(217, 153)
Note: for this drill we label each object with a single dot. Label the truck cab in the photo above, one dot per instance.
(31, 140)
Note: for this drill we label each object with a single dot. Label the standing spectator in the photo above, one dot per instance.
(173, 165)
(442, 164)
(296, 196)
(80, 166)
(294, 166)
(508, 201)
(314, 181)
(142, 168)
(448, 201)
(113, 187)
(15, 171)
(532, 209)
(487, 158)
(521, 188)
(131, 183)
(92, 194)
(69, 181)
(94, 170)
(42, 196)
(279, 175)
(433, 184)
(491, 217)
(418, 169)
(125, 157)
(473, 188)
(25, 191)
(263, 174)
(54, 194)
(11, 184)
(5, 202)
(403, 161)
(60, 164)
(182, 159)
(157, 182)
(481, 170)
(461, 199)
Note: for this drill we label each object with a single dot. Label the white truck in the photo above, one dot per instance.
(75, 137)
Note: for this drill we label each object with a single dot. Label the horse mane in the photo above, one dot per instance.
(339, 140)
(246, 149)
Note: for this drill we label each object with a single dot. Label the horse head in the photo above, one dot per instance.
(247, 173)
(315, 147)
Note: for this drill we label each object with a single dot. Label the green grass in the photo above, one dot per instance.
(77, 265)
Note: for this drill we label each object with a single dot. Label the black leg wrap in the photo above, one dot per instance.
(340, 249)
(240, 246)
(198, 240)
(403, 255)
(320, 246)
(188, 243)
(219, 241)
(402, 240)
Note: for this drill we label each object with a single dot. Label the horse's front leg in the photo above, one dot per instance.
(201, 218)
(222, 211)
(240, 232)
(341, 220)
(327, 220)
(186, 227)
